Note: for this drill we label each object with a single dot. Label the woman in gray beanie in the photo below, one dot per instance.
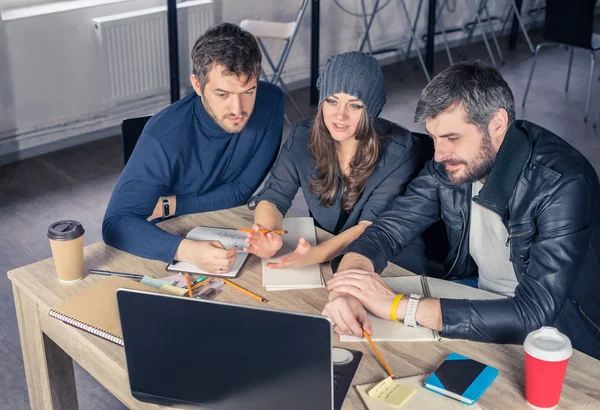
(349, 163)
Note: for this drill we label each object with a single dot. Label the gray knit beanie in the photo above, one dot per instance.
(356, 74)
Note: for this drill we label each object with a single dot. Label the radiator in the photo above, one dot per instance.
(133, 49)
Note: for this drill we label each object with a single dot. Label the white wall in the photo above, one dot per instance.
(50, 95)
(7, 105)
(49, 72)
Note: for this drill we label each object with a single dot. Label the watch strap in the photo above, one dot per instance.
(166, 208)
(410, 318)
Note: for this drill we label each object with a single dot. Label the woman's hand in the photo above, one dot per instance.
(368, 287)
(261, 244)
(304, 255)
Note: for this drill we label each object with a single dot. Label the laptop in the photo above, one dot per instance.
(195, 353)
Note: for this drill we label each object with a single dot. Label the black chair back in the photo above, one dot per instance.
(570, 22)
(435, 237)
(427, 148)
(131, 129)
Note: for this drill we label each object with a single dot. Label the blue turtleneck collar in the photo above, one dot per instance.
(206, 123)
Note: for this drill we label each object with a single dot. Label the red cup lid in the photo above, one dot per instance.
(548, 344)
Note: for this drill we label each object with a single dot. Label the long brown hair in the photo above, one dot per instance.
(323, 149)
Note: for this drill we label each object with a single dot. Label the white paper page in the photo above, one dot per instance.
(306, 277)
(189, 268)
(228, 237)
(444, 289)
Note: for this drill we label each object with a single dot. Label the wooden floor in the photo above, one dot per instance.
(76, 183)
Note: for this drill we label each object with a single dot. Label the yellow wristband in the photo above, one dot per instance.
(395, 304)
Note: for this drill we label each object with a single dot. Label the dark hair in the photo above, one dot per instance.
(230, 46)
(323, 149)
(477, 86)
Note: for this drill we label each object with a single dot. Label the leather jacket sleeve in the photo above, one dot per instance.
(563, 224)
(408, 216)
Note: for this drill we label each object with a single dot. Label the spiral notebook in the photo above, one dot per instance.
(95, 309)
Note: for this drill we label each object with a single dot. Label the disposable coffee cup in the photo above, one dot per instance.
(66, 242)
(547, 353)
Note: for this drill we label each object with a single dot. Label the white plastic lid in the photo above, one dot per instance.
(548, 344)
(341, 356)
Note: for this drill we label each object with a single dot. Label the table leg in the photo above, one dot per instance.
(49, 370)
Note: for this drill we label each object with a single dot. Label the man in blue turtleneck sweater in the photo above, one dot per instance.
(209, 151)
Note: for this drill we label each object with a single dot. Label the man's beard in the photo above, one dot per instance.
(480, 167)
(229, 128)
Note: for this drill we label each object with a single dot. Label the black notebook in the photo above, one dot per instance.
(461, 378)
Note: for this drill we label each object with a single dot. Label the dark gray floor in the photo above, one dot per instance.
(76, 183)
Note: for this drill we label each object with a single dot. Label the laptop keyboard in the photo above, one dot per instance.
(336, 380)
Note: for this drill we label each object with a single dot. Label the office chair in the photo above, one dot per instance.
(571, 24)
(279, 31)
(131, 129)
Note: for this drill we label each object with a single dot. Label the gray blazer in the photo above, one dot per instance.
(398, 165)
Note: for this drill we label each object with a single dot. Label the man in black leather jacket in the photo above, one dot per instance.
(532, 232)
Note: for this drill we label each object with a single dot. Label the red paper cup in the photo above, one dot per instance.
(547, 353)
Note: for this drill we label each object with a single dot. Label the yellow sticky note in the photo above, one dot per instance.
(392, 393)
(174, 290)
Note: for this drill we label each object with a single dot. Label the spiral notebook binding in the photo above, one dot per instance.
(88, 328)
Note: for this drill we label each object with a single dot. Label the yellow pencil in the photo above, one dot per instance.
(197, 285)
(381, 359)
(189, 286)
(247, 292)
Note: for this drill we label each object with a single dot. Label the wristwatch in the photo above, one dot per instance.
(410, 318)
(166, 209)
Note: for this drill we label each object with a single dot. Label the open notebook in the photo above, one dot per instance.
(387, 330)
(307, 277)
(228, 238)
(423, 399)
(95, 309)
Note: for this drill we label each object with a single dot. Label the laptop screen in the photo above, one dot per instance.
(222, 356)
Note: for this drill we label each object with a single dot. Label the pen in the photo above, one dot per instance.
(187, 283)
(247, 292)
(207, 294)
(218, 284)
(202, 286)
(198, 279)
(249, 230)
(197, 285)
(121, 274)
(381, 359)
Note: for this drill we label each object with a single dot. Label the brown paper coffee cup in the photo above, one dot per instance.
(66, 242)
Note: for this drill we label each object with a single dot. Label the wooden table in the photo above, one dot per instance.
(49, 346)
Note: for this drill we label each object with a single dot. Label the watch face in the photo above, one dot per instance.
(166, 211)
